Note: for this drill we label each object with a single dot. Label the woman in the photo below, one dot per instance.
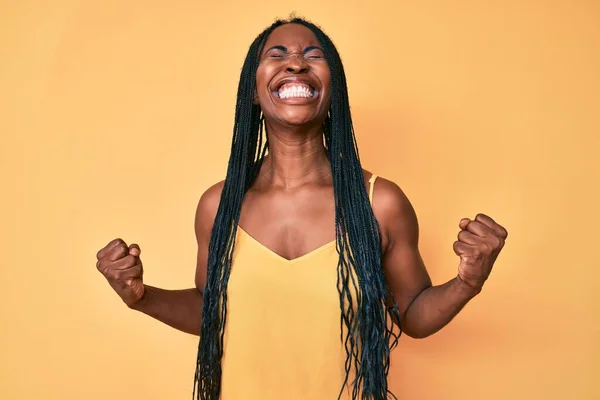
(306, 268)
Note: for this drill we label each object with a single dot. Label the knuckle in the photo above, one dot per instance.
(479, 225)
(493, 242)
(111, 275)
(488, 249)
(104, 267)
(496, 242)
(121, 250)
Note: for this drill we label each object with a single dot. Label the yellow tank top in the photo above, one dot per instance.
(282, 334)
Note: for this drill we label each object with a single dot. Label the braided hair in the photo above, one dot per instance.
(366, 303)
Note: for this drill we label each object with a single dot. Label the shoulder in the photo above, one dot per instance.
(394, 212)
(206, 211)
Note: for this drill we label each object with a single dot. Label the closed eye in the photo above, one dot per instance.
(314, 52)
(279, 52)
(276, 52)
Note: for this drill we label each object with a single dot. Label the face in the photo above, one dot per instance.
(293, 79)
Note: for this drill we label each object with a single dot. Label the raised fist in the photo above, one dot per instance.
(478, 245)
(122, 267)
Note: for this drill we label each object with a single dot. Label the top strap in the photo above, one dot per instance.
(372, 186)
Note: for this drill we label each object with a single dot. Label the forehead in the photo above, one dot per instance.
(291, 35)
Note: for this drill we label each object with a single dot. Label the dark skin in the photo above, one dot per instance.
(290, 208)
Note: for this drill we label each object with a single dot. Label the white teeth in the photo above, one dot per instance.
(295, 91)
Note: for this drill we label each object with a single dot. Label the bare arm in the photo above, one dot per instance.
(180, 309)
(424, 308)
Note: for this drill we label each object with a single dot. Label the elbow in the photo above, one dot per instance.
(415, 332)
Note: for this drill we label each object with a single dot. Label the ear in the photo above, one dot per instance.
(255, 99)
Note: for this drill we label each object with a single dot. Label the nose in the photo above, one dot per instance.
(296, 64)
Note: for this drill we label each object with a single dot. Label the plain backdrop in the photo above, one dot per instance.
(115, 116)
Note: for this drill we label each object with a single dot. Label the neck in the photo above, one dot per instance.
(296, 157)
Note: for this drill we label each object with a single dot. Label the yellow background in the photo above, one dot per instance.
(116, 115)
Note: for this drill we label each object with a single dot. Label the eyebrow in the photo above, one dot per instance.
(284, 49)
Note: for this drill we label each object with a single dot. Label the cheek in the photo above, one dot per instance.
(259, 79)
(325, 75)
(260, 89)
(264, 74)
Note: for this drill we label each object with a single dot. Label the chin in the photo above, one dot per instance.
(299, 122)
(297, 119)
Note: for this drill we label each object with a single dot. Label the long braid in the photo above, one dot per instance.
(369, 330)
(244, 162)
(366, 328)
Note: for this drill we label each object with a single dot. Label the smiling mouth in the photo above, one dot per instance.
(295, 90)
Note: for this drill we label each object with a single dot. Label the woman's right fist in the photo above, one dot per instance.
(122, 267)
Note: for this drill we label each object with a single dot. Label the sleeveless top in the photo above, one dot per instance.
(282, 335)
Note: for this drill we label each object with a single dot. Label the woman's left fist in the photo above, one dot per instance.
(478, 245)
